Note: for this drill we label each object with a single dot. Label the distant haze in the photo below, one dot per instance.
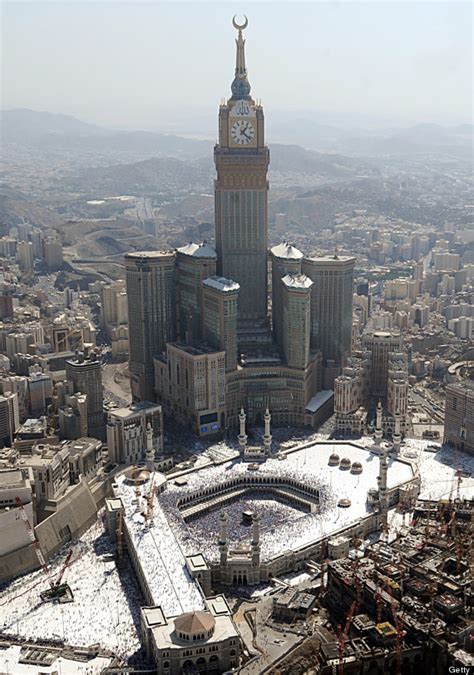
(165, 66)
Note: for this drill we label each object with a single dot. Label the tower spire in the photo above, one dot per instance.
(240, 85)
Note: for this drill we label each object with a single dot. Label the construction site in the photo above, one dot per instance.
(377, 586)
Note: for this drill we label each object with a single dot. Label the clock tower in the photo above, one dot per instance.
(241, 192)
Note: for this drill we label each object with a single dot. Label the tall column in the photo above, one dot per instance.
(267, 438)
(255, 540)
(242, 435)
(378, 435)
(150, 450)
(397, 436)
(223, 544)
(382, 480)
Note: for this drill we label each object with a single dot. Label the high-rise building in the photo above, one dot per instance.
(459, 416)
(286, 259)
(126, 432)
(191, 385)
(85, 372)
(331, 307)
(296, 319)
(24, 254)
(114, 310)
(72, 417)
(9, 418)
(40, 393)
(151, 293)
(220, 298)
(53, 253)
(241, 193)
(213, 348)
(381, 344)
(194, 263)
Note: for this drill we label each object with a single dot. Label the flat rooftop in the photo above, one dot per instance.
(161, 557)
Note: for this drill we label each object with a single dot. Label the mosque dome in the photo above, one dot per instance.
(194, 626)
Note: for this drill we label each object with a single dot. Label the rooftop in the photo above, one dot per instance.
(150, 255)
(297, 281)
(287, 251)
(202, 250)
(221, 284)
(195, 622)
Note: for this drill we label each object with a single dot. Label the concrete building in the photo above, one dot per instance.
(85, 458)
(40, 393)
(120, 343)
(151, 293)
(126, 432)
(15, 484)
(220, 299)
(194, 263)
(17, 384)
(53, 253)
(25, 257)
(50, 466)
(446, 262)
(199, 641)
(286, 259)
(85, 372)
(114, 307)
(72, 416)
(381, 344)
(296, 319)
(9, 418)
(459, 416)
(331, 309)
(191, 385)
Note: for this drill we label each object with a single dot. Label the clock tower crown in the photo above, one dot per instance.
(240, 86)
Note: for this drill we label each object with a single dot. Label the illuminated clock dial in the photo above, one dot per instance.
(242, 132)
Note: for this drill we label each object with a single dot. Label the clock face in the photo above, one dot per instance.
(242, 132)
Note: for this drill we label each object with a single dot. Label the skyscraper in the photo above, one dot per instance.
(331, 309)
(241, 192)
(194, 263)
(286, 259)
(296, 319)
(220, 299)
(210, 345)
(85, 372)
(151, 294)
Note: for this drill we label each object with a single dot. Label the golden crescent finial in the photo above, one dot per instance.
(243, 26)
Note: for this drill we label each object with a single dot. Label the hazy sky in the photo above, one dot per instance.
(163, 65)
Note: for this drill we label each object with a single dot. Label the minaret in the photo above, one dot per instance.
(242, 435)
(150, 450)
(255, 543)
(397, 436)
(223, 543)
(267, 438)
(382, 481)
(378, 435)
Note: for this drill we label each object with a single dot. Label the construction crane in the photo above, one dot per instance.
(34, 541)
(400, 635)
(343, 637)
(56, 589)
